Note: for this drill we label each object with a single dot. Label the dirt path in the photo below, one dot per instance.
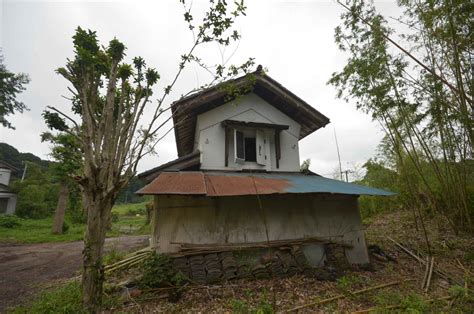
(25, 268)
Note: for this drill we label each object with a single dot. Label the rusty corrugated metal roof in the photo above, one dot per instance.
(239, 183)
(187, 183)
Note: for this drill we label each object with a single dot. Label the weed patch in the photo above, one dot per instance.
(64, 299)
(26, 230)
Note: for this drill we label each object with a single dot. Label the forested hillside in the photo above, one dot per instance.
(17, 159)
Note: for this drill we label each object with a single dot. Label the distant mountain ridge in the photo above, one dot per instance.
(17, 159)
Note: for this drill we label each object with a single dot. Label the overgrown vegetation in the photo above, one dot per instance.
(26, 230)
(242, 306)
(157, 271)
(64, 299)
(424, 103)
(37, 194)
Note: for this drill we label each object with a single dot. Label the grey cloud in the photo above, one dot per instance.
(294, 40)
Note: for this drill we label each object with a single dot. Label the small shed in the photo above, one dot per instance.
(237, 180)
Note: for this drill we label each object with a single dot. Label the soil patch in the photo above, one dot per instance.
(26, 268)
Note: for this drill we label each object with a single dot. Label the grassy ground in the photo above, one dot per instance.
(129, 219)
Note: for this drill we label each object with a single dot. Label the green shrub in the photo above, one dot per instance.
(157, 272)
(264, 308)
(136, 211)
(9, 221)
(414, 303)
(239, 306)
(114, 216)
(346, 282)
(387, 298)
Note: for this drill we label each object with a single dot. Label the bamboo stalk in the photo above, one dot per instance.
(430, 273)
(125, 265)
(437, 270)
(273, 243)
(425, 277)
(340, 296)
(391, 307)
(124, 261)
(132, 259)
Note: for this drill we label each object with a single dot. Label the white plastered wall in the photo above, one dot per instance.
(210, 135)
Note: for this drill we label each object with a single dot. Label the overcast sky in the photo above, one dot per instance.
(292, 39)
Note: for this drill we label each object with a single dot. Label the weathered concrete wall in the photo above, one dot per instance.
(205, 220)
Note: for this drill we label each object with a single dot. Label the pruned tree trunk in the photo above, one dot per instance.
(111, 97)
(61, 208)
(93, 273)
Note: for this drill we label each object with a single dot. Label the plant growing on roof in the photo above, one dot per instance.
(110, 97)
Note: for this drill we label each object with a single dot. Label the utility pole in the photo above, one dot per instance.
(24, 172)
(347, 174)
(338, 154)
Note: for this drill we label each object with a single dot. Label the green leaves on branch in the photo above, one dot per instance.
(423, 103)
(54, 121)
(217, 21)
(11, 85)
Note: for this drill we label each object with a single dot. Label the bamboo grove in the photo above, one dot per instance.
(417, 83)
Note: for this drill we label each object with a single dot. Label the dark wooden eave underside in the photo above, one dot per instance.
(190, 161)
(231, 123)
(186, 110)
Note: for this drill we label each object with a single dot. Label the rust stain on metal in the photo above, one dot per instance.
(191, 183)
(222, 185)
(270, 186)
(227, 185)
(198, 183)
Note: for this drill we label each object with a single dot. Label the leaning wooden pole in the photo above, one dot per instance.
(340, 296)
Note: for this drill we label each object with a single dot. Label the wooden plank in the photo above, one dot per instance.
(255, 124)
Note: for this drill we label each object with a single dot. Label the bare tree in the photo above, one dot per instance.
(110, 96)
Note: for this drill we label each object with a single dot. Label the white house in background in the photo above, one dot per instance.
(7, 197)
(237, 180)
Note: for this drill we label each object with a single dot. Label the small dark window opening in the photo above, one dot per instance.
(240, 144)
(250, 149)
